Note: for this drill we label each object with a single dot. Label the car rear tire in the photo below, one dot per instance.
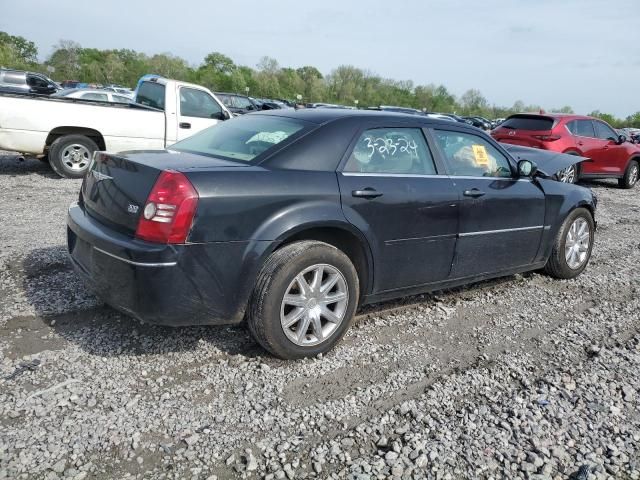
(70, 155)
(572, 245)
(631, 175)
(304, 300)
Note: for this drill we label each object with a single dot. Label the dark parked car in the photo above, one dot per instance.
(291, 219)
(238, 104)
(18, 81)
(458, 118)
(479, 122)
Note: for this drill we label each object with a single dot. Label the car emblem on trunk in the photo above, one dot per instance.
(512, 133)
(100, 176)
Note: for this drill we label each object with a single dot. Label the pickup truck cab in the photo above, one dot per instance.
(66, 131)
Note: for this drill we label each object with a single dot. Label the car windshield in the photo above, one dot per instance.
(242, 138)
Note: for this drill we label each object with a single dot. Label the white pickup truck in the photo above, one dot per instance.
(66, 131)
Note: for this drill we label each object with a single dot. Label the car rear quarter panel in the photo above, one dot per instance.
(258, 209)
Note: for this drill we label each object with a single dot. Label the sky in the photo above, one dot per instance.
(582, 53)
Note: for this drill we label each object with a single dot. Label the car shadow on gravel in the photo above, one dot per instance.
(15, 165)
(65, 307)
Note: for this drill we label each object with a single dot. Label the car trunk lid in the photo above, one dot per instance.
(117, 186)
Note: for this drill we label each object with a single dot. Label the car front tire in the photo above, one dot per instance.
(572, 245)
(304, 300)
(70, 156)
(631, 175)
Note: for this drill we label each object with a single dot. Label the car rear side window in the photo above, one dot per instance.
(470, 155)
(242, 138)
(528, 122)
(151, 94)
(584, 128)
(391, 150)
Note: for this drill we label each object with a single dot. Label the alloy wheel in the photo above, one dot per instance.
(633, 174)
(567, 175)
(577, 243)
(314, 305)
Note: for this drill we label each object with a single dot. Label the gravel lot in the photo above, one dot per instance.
(524, 377)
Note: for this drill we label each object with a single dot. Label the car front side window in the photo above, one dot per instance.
(469, 155)
(196, 103)
(604, 132)
(391, 151)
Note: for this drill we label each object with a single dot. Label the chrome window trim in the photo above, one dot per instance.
(505, 230)
(418, 175)
(137, 264)
(398, 175)
(471, 177)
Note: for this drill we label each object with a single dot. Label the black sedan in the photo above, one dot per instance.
(292, 219)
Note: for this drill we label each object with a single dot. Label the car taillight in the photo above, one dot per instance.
(169, 211)
(548, 138)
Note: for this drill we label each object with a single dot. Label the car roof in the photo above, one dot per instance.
(557, 116)
(325, 115)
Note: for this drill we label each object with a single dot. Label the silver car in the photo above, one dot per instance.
(95, 95)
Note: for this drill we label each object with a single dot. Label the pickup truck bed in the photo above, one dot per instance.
(67, 131)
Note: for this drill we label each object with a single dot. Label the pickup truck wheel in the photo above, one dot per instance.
(70, 156)
(631, 175)
(572, 246)
(304, 300)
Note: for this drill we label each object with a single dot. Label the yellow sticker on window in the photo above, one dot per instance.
(480, 155)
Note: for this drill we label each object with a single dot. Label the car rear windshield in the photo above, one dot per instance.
(242, 138)
(528, 122)
(151, 94)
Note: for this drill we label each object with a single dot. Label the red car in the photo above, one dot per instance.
(611, 155)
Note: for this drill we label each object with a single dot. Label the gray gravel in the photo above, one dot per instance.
(524, 377)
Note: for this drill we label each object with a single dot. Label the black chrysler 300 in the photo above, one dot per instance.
(290, 220)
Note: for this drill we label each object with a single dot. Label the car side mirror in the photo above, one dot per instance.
(526, 168)
(621, 139)
(222, 115)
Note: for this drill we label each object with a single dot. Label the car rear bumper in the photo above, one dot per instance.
(176, 285)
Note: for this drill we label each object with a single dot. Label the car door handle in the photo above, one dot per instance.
(580, 143)
(366, 193)
(184, 125)
(474, 193)
(606, 147)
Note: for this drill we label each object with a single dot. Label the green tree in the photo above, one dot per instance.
(18, 52)
(473, 103)
(66, 60)
(219, 63)
(565, 109)
(607, 117)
